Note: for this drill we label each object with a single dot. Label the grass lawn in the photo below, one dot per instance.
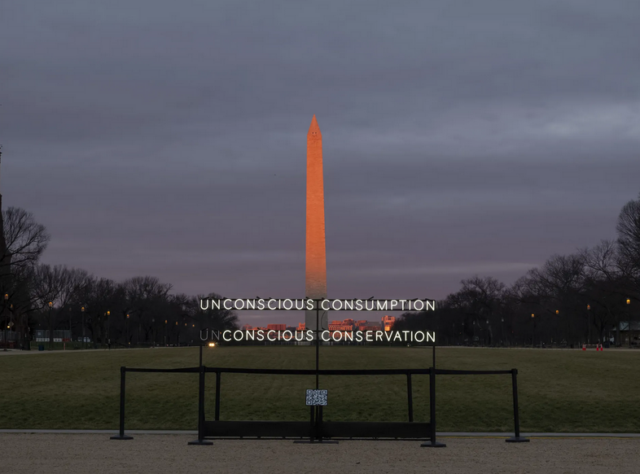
(559, 390)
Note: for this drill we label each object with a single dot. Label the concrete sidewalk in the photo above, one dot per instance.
(446, 434)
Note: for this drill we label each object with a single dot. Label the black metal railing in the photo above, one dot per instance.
(317, 429)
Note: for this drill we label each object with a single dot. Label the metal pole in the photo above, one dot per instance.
(217, 410)
(410, 397)
(432, 405)
(317, 345)
(121, 436)
(201, 441)
(516, 418)
(200, 363)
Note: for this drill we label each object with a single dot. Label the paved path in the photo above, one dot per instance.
(97, 454)
(447, 434)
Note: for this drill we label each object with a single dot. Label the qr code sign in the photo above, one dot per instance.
(316, 398)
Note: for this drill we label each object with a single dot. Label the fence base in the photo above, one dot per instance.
(122, 438)
(315, 441)
(517, 439)
(433, 444)
(200, 442)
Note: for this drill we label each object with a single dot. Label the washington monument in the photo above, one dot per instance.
(316, 261)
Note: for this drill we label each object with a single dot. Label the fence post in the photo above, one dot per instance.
(432, 405)
(121, 435)
(410, 396)
(201, 441)
(516, 417)
(217, 408)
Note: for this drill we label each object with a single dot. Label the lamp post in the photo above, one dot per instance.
(165, 333)
(128, 342)
(533, 337)
(502, 331)
(556, 325)
(108, 329)
(629, 323)
(82, 323)
(50, 327)
(6, 298)
(588, 323)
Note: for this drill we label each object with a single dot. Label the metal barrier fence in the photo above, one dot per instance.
(316, 429)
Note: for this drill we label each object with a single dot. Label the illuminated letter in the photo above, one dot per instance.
(382, 307)
(402, 302)
(268, 333)
(251, 304)
(310, 305)
(202, 307)
(260, 303)
(431, 305)
(215, 304)
(269, 305)
(322, 336)
(250, 335)
(284, 304)
(301, 336)
(309, 335)
(335, 336)
(322, 305)
(359, 305)
(348, 336)
(358, 336)
(419, 333)
(368, 336)
(431, 335)
(366, 305)
(348, 304)
(415, 305)
(405, 335)
(224, 334)
(379, 336)
(393, 304)
(284, 335)
(333, 305)
(397, 336)
(205, 337)
(224, 303)
(260, 335)
(301, 307)
(216, 334)
(236, 304)
(388, 335)
(234, 335)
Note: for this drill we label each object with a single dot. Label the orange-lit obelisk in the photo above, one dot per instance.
(316, 271)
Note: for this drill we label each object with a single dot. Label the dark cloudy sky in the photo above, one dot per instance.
(460, 137)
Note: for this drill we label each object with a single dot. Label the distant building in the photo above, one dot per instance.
(388, 322)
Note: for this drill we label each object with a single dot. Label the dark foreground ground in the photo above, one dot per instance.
(96, 454)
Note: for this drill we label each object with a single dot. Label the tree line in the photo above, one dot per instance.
(139, 311)
(591, 296)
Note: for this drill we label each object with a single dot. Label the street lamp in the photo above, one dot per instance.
(128, 341)
(50, 327)
(108, 329)
(588, 323)
(6, 298)
(629, 324)
(82, 322)
(533, 337)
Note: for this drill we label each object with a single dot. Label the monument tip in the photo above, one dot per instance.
(314, 129)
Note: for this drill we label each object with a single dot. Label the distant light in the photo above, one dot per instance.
(212, 344)
(533, 315)
(588, 307)
(557, 311)
(628, 301)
